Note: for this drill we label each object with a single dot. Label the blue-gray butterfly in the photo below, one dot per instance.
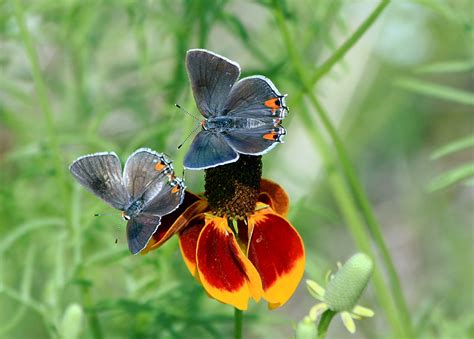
(146, 191)
(240, 117)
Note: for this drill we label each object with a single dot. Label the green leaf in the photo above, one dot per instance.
(451, 177)
(454, 146)
(26, 228)
(434, 90)
(453, 66)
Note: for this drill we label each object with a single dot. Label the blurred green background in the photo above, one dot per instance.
(84, 76)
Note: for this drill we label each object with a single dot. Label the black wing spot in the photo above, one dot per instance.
(100, 185)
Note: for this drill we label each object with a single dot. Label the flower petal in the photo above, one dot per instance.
(317, 310)
(315, 290)
(348, 322)
(172, 223)
(274, 195)
(225, 272)
(363, 311)
(188, 239)
(277, 252)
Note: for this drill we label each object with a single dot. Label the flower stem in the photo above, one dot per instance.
(368, 213)
(324, 322)
(238, 321)
(345, 201)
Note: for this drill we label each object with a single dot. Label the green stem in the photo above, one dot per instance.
(92, 317)
(367, 212)
(43, 99)
(238, 320)
(339, 189)
(324, 322)
(354, 222)
(349, 43)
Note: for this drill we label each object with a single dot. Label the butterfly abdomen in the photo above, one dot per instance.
(222, 124)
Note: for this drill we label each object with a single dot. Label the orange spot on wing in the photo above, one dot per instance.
(269, 136)
(273, 103)
(175, 189)
(159, 166)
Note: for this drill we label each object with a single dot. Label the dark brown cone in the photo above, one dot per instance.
(232, 190)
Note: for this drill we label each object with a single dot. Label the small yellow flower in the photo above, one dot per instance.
(343, 291)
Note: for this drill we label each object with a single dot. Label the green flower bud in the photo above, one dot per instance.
(72, 322)
(306, 329)
(344, 290)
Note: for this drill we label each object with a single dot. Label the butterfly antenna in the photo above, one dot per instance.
(191, 115)
(189, 135)
(104, 214)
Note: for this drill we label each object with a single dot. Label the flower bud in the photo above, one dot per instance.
(72, 322)
(306, 329)
(345, 288)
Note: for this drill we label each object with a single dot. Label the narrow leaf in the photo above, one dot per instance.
(455, 146)
(434, 90)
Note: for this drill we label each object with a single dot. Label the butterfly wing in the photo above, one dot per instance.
(149, 176)
(209, 149)
(212, 77)
(140, 229)
(255, 97)
(146, 170)
(256, 140)
(257, 100)
(101, 174)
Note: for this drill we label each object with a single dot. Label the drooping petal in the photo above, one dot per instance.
(188, 239)
(316, 310)
(275, 196)
(277, 252)
(348, 322)
(363, 311)
(225, 272)
(177, 220)
(316, 290)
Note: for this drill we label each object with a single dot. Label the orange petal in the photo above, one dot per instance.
(277, 252)
(225, 272)
(188, 239)
(174, 222)
(275, 196)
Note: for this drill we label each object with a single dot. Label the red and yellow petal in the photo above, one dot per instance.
(277, 252)
(275, 196)
(174, 222)
(188, 239)
(224, 270)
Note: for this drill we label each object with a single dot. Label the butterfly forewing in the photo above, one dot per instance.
(140, 229)
(101, 174)
(212, 77)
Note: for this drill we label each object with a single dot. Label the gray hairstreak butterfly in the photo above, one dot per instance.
(146, 191)
(240, 116)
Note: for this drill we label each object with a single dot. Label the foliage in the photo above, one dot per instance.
(374, 89)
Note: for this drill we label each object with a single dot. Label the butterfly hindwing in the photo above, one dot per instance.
(146, 170)
(255, 141)
(209, 149)
(255, 97)
(140, 229)
(101, 174)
